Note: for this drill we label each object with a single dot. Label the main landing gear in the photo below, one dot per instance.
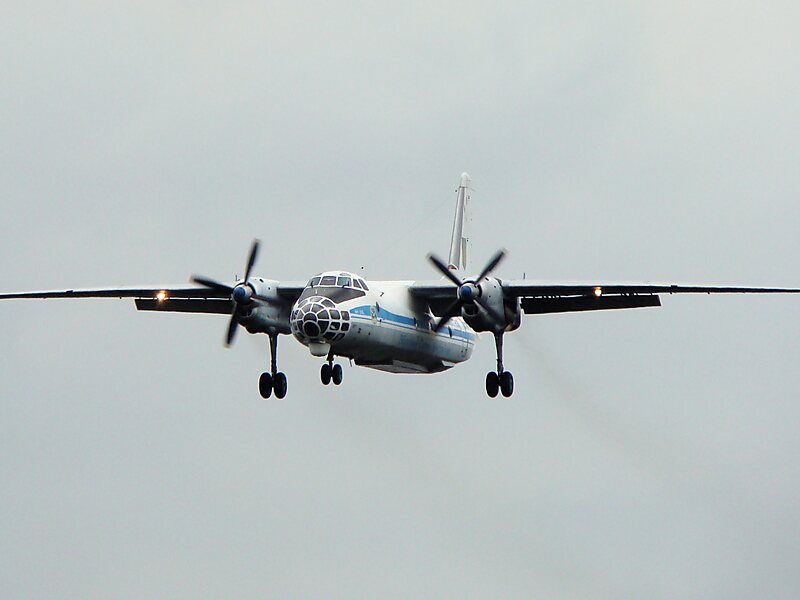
(501, 381)
(331, 372)
(273, 381)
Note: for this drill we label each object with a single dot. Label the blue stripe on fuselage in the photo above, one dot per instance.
(391, 317)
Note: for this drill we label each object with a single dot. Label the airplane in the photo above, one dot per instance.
(392, 326)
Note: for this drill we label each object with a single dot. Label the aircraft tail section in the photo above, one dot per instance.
(459, 243)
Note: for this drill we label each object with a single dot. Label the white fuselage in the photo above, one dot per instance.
(390, 330)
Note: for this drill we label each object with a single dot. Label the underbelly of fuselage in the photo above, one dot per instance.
(398, 345)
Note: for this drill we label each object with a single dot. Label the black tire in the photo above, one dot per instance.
(280, 385)
(337, 375)
(265, 385)
(506, 383)
(492, 384)
(325, 374)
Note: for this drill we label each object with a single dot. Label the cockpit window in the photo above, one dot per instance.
(328, 280)
(335, 294)
(314, 282)
(343, 281)
(363, 285)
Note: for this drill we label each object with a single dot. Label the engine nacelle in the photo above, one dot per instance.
(264, 317)
(491, 294)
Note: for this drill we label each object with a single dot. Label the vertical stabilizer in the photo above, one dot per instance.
(459, 243)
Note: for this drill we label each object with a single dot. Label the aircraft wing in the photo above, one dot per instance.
(291, 290)
(540, 297)
(180, 298)
(166, 298)
(438, 294)
(125, 292)
(553, 297)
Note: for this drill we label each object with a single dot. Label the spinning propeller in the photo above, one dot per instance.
(241, 294)
(469, 290)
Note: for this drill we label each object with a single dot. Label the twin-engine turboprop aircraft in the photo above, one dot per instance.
(394, 326)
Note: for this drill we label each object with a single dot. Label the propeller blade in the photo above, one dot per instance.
(437, 262)
(232, 327)
(490, 266)
(210, 283)
(252, 259)
(452, 311)
(243, 294)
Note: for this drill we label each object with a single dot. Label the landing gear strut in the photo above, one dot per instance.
(273, 380)
(500, 381)
(331, 372)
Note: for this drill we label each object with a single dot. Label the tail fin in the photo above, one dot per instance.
(459, 243)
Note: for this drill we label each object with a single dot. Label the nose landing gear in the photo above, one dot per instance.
(331, 372)
(500, 381)
(273, 381)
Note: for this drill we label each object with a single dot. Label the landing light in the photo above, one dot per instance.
(161, 296)
(598, 291)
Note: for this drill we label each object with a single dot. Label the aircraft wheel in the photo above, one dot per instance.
(280, 385)
(325, 374)
(265, 385)
(492, 384)
(506, 383)
(337, 374)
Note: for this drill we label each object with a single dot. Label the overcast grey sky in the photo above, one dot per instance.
(649, 453)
